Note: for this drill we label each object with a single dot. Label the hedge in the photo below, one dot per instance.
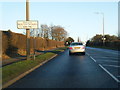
(13, 43)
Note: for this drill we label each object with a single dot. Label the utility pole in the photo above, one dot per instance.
(27, 32)
(103, 31)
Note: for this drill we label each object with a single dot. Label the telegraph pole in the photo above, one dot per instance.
(27, 32)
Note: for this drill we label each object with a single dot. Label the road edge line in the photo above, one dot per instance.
(25, 73)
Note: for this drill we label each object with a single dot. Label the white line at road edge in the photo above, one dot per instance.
(109, 74)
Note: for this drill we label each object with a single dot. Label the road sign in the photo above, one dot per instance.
(32, 24)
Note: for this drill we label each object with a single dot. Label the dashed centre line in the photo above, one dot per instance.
(116, 79)
(109, 73)
(93, 59)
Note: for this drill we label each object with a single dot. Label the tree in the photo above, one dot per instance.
(97, 38)
(58, 33)
(45, 31)
(98, 41)
(110, 38)
(31, 32)
(68, 41)
(88, 43)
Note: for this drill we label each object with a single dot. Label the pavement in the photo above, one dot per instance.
(99, 68)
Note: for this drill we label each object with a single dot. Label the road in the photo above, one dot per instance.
(97, 69)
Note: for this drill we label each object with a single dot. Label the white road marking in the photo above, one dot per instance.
(109, 73)
(108, 61)
(93, 59)
(108, 58)
(111, 65)
(88, 54)
(105, 70)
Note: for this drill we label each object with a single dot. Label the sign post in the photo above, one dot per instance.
(28, 24)
(27, 32)
(34, 44)
(32, 24)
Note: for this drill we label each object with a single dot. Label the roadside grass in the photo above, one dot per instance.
(13, 70)
(17, 59)
(104, 47)
(61, 49)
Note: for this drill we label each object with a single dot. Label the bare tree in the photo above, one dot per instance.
(45, 31)
(58, 33)
(31, 32)
(34, 32)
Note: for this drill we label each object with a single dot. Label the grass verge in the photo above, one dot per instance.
(13, 70)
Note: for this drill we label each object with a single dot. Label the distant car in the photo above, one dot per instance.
(76, 47)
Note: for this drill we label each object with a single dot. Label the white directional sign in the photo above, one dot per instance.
(32, 24)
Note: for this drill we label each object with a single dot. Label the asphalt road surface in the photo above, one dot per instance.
(97, 69)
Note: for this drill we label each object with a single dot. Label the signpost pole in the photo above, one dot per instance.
(27, 32)
(34, 43)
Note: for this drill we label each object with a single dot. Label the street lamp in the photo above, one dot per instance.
(103, 38)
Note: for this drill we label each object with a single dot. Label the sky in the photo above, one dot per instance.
(78, 18)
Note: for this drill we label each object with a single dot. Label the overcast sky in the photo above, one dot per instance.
(78, 18)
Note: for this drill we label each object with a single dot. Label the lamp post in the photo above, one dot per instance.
(103, 38)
